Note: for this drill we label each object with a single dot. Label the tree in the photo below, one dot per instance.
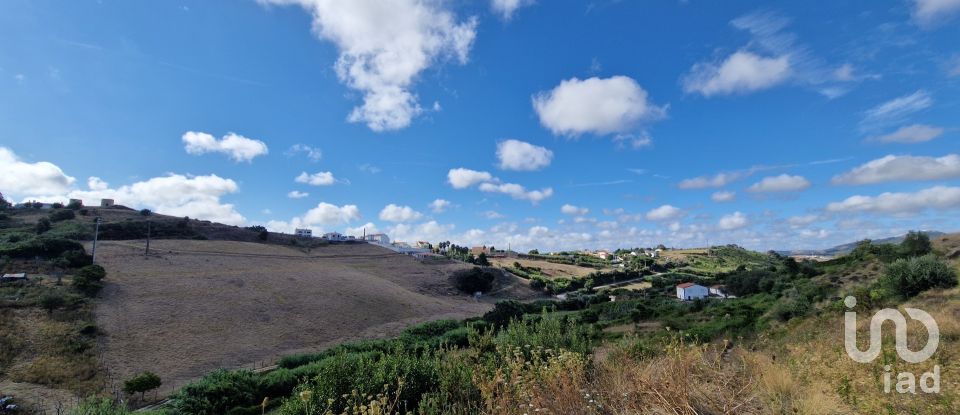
(145, 212)
(915, 244)
(51, 301)
(88, 279)
(3, 202)
(141, 383)
(909, 277)
(74, 205)
(43, 225)
(482, 260)
(534, 252)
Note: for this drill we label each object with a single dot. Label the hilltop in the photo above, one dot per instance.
(846, 248)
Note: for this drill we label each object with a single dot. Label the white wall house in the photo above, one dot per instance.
(303, 233)
(334, 236)
(690, 291)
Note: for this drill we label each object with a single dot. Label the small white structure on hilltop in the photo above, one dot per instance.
(690, 291)
(334, 237)
(106, 202)
(303, 233)
(380, 238)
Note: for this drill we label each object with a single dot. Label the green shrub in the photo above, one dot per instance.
(909, 277)
(218, 392)
(142, 383)
(61, 215)
(88, 279)
(43, 225)
(474, 280)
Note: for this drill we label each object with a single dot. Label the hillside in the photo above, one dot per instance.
(846, 248)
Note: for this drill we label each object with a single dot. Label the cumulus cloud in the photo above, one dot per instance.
(427, 231)
(439, 205)
(312, 153)
(723, 196)
(319, 219)
(902, 168)
(781, 183)
(23, 179)
(461, 178)
(802, 220)
(735, 220)
(396, 213)
(522, 156)
(323, 178)
(596, 105)
(895, 110)
(506, 8)
(574, 210)
(175, 195)
(95, 183)
(663, 213)
(938, 197)
(916, 133)
(296, 194)
(930, 13)
(717, 180)
(237, 147)
(517, 191)
(741, 72)
(384, 46)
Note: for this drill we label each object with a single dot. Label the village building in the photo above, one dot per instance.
(334, 237)
(690, 291)
(303, 233)
(106, 202)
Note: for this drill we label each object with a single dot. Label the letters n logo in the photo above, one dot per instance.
(900, 323)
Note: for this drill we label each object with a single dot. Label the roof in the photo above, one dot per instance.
(15, 276)
(686, 285)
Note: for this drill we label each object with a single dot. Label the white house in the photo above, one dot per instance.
(378, 238)
(334, 236)
(719, 290)
(691, 291)
(303, 233)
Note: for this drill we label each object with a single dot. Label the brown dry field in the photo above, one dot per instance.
(194, 306)
(549, 269)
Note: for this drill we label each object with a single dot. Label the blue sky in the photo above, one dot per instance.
(553, 125)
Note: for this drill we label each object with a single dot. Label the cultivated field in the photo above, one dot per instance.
(194, 306)
(548, 269)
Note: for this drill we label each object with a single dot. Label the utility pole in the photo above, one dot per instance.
(96, 233)
(147, 251)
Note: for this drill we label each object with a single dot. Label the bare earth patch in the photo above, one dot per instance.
(549, 269)
(195, 306)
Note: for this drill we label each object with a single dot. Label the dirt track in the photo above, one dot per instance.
(195, 306)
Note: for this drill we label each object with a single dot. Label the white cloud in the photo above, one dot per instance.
(395, 213)
(522, 156)
(723, 196)
(803, 220)
(368, 228)
(937, 197)
(596, 105)
(736, 220)
(895, 110)
(665, 212)
(95, 183)
(929, 13)
(238, 147)
(781, 183)
(384, 46)
(22, 179)
(517, 191)
(814, 233)
(320, 219)
(916, 133)
(492, 214)
(741, 72)
(902, 168)
(506, 8)
(369, 168)
(323, 178)
(296, 194)
(463, 178)
(427, 231)
(718, 180)
(312, 153)
(574, 210)
(175, 195)
(439, 205)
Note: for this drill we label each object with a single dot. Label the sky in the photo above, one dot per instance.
(529, 124)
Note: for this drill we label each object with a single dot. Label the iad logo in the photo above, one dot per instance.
(906, 381)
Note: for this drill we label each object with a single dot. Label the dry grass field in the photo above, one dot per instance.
(194, 306)
(549, 269)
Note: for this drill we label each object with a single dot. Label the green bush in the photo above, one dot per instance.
(218, 392)
(61, 215)
(88, 279)
(909, 277)
(474, 280)
(141, 383)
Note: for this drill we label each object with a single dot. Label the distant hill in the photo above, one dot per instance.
(848, 247)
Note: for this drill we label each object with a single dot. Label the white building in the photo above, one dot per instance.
(334, 236)
(380, 238)
(303, 233)
(690, 291)
(719, 291)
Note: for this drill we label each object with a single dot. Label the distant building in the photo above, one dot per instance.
(690, 291)
(477, 250)
(106, 202)
(334, 237)
(75, 202)
(380, 238)
(303, 233)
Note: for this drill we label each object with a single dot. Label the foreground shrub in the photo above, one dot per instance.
(909, 277)
(88, 279)
(218, 392)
